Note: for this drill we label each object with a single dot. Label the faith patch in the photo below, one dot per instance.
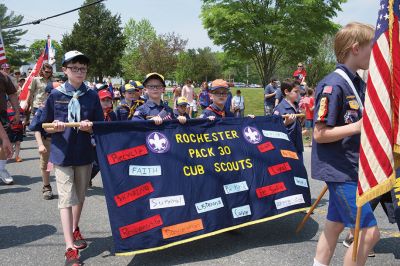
(327, 90)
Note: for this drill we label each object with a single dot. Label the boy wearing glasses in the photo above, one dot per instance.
(71, 150)
(154, 108)
(218, 95)
(132, 101)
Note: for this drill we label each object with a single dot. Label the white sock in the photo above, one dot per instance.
(2, 164)
(317, 263)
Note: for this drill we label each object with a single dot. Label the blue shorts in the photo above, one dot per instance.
(308, 123)
(342, 206)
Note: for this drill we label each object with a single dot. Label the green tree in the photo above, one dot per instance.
(266, 31)
(36, 48)
(161, 55)
(15, 53)
(135, 34)
(98, 34)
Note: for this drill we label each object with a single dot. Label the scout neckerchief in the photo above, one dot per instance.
(346, 77)
(218, 112)
(132, 109)
(74, 107)
(106, 113)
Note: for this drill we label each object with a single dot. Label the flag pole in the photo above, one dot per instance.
(356, 234)
(310, 211)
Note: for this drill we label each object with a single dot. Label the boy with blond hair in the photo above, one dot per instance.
(336, 143)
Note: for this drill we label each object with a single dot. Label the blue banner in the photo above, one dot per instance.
(171, 184)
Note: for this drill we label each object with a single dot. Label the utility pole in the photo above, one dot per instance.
(247, 75)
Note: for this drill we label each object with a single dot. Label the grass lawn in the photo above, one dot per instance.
(253, 99)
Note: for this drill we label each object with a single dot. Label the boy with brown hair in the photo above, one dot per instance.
(336, 143)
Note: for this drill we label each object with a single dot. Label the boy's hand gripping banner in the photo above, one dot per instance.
(171, 184)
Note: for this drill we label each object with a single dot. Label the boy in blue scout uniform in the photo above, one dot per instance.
(181, 108)
(71, 150)
(218, 95)
(132, 100)
(336, 143)
(154, 108)
(288, 106)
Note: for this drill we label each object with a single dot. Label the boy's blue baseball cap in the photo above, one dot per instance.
(131, 86)
(154, 75)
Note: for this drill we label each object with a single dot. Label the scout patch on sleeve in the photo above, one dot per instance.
(327, 90)
(276, 113)
(323, 109)
(353, 104)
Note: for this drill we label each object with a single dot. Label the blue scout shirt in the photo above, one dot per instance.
(214, 110)
(336, 105)
(71, 147)
(294, 129)
(269, 89)
(150, 109)
(176, 114)
(36, 125)
(125, 111)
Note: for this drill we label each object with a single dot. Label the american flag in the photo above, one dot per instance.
(380, 131)
(3, 58)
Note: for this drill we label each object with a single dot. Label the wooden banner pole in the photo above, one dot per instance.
(356, 234)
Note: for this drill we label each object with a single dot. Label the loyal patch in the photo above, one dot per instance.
(327, 90)
(323, 109)
(353, 104)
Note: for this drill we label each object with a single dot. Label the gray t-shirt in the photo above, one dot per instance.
(271, 100)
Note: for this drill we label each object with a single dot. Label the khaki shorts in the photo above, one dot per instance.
(72, 183)
(44, 157)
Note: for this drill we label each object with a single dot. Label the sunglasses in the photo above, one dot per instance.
(299, 66)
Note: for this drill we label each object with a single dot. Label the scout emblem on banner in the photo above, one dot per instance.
(171, 184)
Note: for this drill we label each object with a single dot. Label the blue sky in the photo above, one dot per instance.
(180, 16)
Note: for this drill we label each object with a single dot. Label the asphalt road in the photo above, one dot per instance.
(31, 234)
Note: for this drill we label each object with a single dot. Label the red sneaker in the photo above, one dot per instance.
(79, 241)
(72, 257)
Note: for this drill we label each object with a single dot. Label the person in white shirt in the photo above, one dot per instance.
(237, 106)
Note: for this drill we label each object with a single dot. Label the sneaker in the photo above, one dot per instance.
(348, 241)
(47, 192)
(79, 241)
(72, 257)
(6, 177)
(18, 159)
(371, 254)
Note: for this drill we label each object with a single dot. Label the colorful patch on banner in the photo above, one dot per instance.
(157, 142)
(133, 194)
(302, 182)
(144, 170)
(236, 187)
(327, 90)
(289, 201)
(209, 205)
(141, 226)
(241, 211)
(252, 135)
(167, 202)
(275, 135)
(124, 155)
(323, 109)
(289, 154)
(279, 168)
(182, 228)
(270, 190)
(266, 146)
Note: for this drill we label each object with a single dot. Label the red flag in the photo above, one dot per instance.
(379, 134)
(25, 89)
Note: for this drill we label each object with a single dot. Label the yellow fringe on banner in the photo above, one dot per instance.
(374, 192)
(131, 253)
(396, 149)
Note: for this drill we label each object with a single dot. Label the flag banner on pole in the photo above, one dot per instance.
(381, 113)
(23, 97)
(171, 184)
(3, 58)
(49, 53)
